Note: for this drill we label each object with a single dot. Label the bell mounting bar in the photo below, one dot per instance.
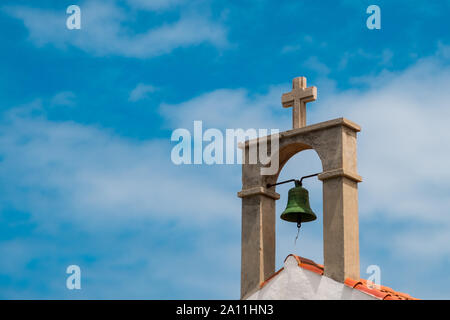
(310, 176)
(269, 185)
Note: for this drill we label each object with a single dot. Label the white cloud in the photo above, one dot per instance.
(104, 32)
(314, 64)
(291, 48)
(77, 180)
(229, 108)
(382, 59)
(141, 92)
(298, 44)
(70, 171)
(155, 5)
(140, 266)
(65, 98)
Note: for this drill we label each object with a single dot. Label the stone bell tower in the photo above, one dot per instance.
(335, 143)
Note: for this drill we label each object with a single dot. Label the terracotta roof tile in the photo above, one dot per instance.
(371, 291)
(391, 294)
(307, 264)
(270, 278)
(352, 283)
(380, 292)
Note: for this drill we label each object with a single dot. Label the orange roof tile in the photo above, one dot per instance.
(307, 264)
(270, 278)
(380, 292)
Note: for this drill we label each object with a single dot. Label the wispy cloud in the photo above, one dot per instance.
(75, 171)
(104, 32)
(77, 189)
(314, 64)
(382, 59)
(65, 98)
(140, 92)
(304, 42)
(291, 48)
(155, 5)
(229, 108)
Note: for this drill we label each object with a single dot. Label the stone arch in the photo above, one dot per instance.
(285, 154)
(335, 143)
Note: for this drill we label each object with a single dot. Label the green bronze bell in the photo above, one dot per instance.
(298, 209)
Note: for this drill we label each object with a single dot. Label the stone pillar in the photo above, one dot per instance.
(340, 211)
(257, 237)
(340, 226)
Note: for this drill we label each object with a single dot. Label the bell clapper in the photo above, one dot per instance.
(299, 224)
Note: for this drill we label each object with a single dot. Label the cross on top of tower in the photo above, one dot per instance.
(297, 99)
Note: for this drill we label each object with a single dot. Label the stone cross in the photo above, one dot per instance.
(297, 99)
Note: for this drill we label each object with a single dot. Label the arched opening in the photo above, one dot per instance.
(310, 241)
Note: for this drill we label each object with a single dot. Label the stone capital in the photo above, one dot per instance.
(258, 191)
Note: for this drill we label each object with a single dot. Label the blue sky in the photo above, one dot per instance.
(86, 118)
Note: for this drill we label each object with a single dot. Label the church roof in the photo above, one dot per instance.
(381, 292)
